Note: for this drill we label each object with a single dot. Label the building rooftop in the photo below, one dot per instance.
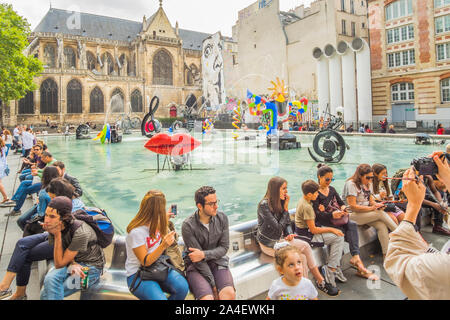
(103, 27)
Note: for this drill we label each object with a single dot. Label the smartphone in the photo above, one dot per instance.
(173, 209)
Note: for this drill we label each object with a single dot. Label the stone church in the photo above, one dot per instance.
(88, 59)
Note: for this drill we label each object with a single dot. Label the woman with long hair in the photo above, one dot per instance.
(149, 237)
(274, 225)
(329, 209)
(382, 192)
(365, 211)
(7, 137)
(3, 169)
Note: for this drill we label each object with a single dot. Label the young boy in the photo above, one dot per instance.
(306, 227)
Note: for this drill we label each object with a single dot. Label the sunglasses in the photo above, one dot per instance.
(370, 178)
(328, 179)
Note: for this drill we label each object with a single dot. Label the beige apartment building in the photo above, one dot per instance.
(88, 59)
(273, 43)
(410, 59)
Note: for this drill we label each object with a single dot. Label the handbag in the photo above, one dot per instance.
(157, 271)
(7, 170)
(333, 206)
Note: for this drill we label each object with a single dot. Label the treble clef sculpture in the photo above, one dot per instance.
(329, 144)
(150, 126)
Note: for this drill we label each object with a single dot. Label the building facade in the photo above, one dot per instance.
(88, 59)
(410, 59)
(273, 43)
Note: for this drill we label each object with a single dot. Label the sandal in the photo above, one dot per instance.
(4, 201)
(363, 272)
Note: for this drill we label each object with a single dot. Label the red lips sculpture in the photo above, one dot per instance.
(176, 145)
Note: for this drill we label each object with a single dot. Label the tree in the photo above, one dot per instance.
(16, 70)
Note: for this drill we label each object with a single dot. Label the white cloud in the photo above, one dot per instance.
(207, 16)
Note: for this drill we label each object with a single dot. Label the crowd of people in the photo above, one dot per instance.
(157, 269)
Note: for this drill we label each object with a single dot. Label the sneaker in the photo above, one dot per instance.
(328, 289)
(340, 275)
(328, 275)
(13, 213)
(9, 203)
(5, 293)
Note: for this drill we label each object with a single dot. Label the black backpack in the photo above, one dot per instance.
(98, 220)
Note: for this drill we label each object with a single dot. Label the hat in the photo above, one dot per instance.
(62, 204)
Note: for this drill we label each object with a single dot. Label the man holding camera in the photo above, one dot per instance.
(418, 270)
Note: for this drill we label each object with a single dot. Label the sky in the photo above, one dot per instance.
(207, 16)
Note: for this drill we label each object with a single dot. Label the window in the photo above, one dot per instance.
(441, 3)
(400, 34)
(353, 29)
(136, 101)
(124, 60)
(97, 101)
(49, 56)
(402, 91)
(91, 61)
(363, 25)
(344, 27)
(107, 60)
(398, 9)
(445, 90)
(69, 58)
(403, 58)
(74, 97)
(49, 96)
(442, 24)
(342, 5)
(162, 69)
(443, 51)
(26, 104)
(352, 7)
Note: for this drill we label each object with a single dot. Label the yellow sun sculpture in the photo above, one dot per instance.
(279, 91)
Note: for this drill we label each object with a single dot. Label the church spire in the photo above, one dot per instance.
(160, 3)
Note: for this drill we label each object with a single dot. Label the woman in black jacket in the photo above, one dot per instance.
(331, 212)
(274, 225)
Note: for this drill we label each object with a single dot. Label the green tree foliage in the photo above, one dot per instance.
(16, 70)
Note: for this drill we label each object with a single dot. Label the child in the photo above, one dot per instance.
(291, 285)
(306, 228)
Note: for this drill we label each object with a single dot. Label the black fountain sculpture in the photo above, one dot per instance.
(328, 143)
(150, 126)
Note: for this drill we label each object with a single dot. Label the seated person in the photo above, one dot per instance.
(434, 201)
(146, 238)
(331, 211)
(29, 249)
(305, 226)
(73, 181)
(70, 253)
(275, 225)
(206, 237)
(365, 211)
(382, 192)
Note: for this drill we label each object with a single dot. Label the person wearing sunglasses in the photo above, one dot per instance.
(206, 238)
(358, 191)
(331, 211)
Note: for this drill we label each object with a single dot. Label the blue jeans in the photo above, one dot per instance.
(26, 187)
(27, 250)
(59, 284)
(175, 284)
(25, 175)
(9, 147)
(22, 220)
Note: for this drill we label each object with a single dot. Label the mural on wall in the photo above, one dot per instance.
(213, 78)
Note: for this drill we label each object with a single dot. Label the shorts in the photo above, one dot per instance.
(397, 212)
(200, 287)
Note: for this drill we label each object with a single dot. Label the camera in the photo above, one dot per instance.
(425, 166)
(390, 207)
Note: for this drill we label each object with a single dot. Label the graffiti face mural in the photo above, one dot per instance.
(213, 78)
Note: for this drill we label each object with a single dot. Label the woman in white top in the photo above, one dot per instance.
(149, 236)
(3, 167)
(7, 137)
(358, 195)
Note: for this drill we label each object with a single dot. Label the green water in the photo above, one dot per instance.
(117, 176)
